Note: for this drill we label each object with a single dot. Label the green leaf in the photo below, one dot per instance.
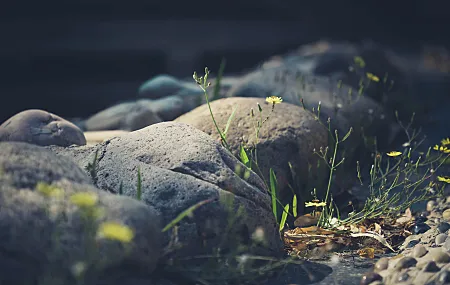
(294, 206)
(273, 192)
(186, 213)
(229, 122)
(244, 157)
(284, 217)
(139, 185)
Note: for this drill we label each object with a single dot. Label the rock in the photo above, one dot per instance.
(129, 116)
(100, 136)
(45, 235)
(430, 266)
(382, 264)
(437, 255)
(370, 277)
(405, 262)
(420, 228)
(171, 107)
(446, 245)
(443, 278)
(443, 227)
(179, 167)
(446, 215)
(41, 128)
(431, 205)
(289, 136)
(419, 251)
(165, 85)
(23, 165)
(440, 239)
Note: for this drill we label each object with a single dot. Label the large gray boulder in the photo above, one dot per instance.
(46, 238)
(41, 128)
(289, 135)
(179, 167)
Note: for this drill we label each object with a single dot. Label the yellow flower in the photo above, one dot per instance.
(372, 77)
(274, 100)
(315, 204)
(84, 199)
(441, 148)
(115, 231)
(394, 153)
(48, 190)
(445, 142)
(444, 179)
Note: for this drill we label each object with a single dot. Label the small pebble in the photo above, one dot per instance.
(419, 251)
(412, 243)
(431, 266)
(420, 228)
(446, 215)
(440, 239)
(430, 205)
(446, 245)
(370, 277)
(403, 277)
(439, 256)
(382, 264)
(444, 278)
(443, 227)
(422, 217)
(405, 262)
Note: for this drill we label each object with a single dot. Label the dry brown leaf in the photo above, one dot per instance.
(367, 252)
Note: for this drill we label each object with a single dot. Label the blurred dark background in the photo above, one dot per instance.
(74, 58)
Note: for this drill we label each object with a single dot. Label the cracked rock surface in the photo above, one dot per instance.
(181, 166)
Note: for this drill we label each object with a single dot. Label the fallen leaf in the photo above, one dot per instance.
(379, 238)
(367, 252)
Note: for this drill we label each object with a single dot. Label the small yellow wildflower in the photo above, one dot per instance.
(48, 190)
(394, 153)
(444, 179)
(115, 231)
(315, 204)
(84, 199)
(445, 142)
(441, 148)
(372, 77)
(274, 100)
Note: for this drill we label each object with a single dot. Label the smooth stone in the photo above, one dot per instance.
(403, 277)
(412, 243)
(446, 245)
(444, 278)
(440, 239)
(370, 277)
(430, 205)
(405, 262)
(41, 128)
(438, 255)
(419, 251)
(446, 215)
(430, 266)
(420, 228)
(382, 264)
(443, 227)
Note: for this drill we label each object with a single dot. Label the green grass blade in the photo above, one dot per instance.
(244, 157)
(139, 185)
(229, 122)
(284, 217)
(186, 213)
(294, 206)
(273, 192)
